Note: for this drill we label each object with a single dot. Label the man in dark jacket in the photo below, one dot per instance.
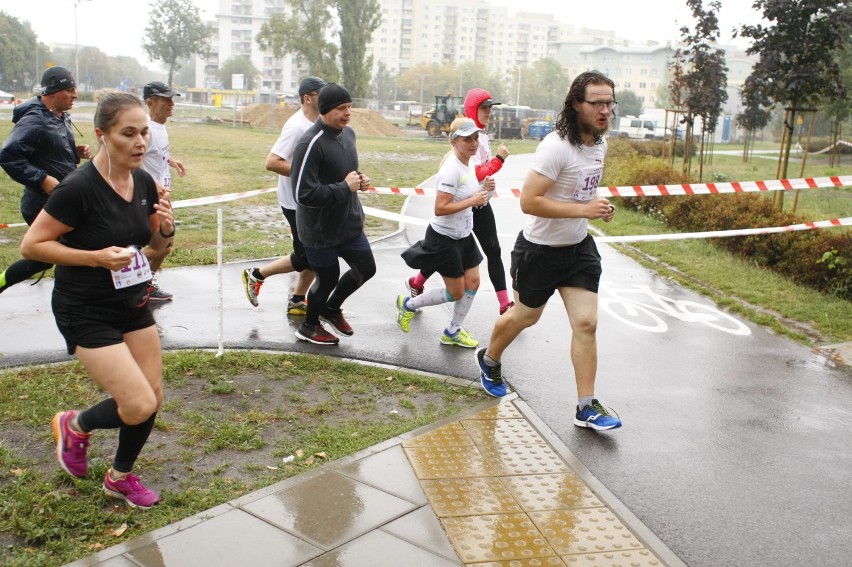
(39, 153)
(329, 217)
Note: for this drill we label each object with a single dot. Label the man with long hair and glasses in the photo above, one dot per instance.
(554, 251)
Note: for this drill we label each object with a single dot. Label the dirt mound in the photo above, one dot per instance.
(364, 122)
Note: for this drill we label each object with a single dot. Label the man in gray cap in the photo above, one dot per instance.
(329, 216)
(280, 160)
(158, 161)
(39, 153)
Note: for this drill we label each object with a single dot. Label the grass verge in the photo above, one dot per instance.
(225, 427)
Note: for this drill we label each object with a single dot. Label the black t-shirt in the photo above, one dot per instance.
(101, 218)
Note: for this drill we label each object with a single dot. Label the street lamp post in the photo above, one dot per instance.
(76, 49)
(518, 96)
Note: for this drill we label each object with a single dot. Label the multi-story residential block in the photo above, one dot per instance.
(416, 32)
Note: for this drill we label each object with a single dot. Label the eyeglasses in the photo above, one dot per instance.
(599, 104)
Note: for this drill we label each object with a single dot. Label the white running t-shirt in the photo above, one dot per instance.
(157, 156)
(459, 180)
(576, 172)
(292, 131)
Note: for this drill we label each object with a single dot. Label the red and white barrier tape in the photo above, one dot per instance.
(620, 191)
(663, 190)
(651, 237)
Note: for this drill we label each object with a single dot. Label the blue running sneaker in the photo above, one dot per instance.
(596, 417)
(490, 376)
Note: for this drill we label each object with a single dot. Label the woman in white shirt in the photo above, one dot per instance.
(449, 247)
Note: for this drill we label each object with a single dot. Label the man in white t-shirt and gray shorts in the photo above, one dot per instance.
(555, 252)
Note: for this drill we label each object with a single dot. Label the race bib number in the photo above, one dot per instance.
(587, 183)
(138, 271)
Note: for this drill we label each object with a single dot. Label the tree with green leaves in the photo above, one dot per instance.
(544, 85)
(382, 86)
(323, 33)
(447, 78)
(628, 103)
(241, 65)
(175, 31)
(701, 83)
(23, 58)
(358, 20)
(756, 114)
(798, 56)
(308, 33)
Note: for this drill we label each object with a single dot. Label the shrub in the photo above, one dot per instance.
(816, 258)
(821, 259)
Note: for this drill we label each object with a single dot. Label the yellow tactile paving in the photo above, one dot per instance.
(502, 411)
(469, 497)
(633, 558)
(496, 537)
(451, 435)
(534, 562)
(507, 460)
(550, 492)
(584, 530)
(507, 499)
(447, 462)
(501, 432)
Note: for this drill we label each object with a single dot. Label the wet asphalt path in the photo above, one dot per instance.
(735, 448)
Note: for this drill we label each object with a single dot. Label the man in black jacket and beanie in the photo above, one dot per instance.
(39, 153)
(329, 216)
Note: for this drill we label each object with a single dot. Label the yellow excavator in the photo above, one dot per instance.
(437, 119)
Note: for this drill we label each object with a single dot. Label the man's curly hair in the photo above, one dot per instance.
(567, 125)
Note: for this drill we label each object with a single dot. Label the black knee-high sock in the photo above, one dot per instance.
(131, 439)
(103, 415)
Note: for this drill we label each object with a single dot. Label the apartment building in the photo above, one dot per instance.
(236, 25)
(413, 32)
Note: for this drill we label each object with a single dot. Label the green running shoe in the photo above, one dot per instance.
(462, 339)
(403, 315)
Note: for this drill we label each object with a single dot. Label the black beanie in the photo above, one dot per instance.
(331, 96)
(56, 79)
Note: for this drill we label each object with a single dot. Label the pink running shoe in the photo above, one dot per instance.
(131, 490)
(71, 446)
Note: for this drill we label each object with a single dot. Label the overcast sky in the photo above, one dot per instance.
(117, 26)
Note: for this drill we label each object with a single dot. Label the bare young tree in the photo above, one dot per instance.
(706, 79)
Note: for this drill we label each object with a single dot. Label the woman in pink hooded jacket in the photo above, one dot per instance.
(477, 105)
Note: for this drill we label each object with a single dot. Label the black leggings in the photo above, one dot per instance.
(24, 269)
(327, 293)
(485, 230)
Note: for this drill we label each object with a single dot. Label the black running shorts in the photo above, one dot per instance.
(538, 270)
(96, 326)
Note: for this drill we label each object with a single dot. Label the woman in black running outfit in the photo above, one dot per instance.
(93, 228)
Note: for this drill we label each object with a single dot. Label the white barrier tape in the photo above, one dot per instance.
(727, 233)
(651, 237)
(826, 149)
(221, 198)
